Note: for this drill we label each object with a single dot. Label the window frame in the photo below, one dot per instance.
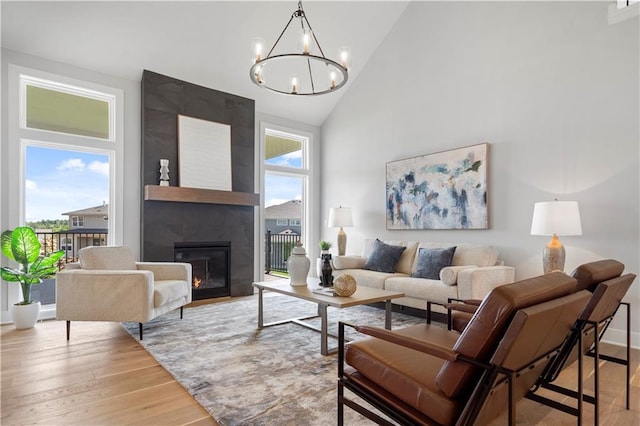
(19, 137)
(70, 89)
(304, 172)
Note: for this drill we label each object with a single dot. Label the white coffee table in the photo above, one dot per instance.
(362, 296)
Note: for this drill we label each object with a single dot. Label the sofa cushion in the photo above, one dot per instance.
(107, 257)
(421, 288)
(366, 278)
(431, 261)
(384, 257)
(468, 254)
(405, 263)
(449, 274)
(348, 262)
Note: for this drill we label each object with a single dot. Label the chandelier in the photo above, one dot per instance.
(307, 72)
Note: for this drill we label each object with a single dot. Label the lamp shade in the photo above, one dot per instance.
(556, 218)
(340, 217)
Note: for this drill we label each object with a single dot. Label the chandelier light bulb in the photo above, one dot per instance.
(258, 46)
(344, 57)
(332, 79)
(306, 39)
(294, 85)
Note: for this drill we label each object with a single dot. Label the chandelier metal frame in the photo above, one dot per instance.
(256, 70)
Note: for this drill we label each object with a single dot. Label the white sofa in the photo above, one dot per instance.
(475, 270)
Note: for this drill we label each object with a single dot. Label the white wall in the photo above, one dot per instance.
(9, 168)
(550, 86)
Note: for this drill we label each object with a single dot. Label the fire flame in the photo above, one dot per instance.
(196, 282)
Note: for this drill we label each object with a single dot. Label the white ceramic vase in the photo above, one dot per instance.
(298, 266)
(25, 316)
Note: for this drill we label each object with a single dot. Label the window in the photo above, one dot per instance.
(64, 109)
(64, 137)
(285, 171)
(284, 150)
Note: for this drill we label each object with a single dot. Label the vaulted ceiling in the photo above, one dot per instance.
(203, 42)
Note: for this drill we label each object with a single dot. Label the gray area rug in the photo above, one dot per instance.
(245, 376)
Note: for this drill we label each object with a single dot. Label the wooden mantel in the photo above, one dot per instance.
(195, 195)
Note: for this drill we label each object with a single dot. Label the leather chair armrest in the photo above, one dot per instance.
(409, 342)
(461, 307)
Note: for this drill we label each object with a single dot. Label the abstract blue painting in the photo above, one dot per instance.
(445, 190)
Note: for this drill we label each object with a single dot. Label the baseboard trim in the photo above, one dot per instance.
(619, 338)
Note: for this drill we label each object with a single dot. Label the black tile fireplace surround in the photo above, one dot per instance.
(211, 265)
(165, 222)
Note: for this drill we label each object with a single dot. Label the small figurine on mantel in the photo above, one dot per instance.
(326, 280)
(164, 172)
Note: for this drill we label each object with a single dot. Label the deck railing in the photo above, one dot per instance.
(70, 242)
(277, 246)
(277, 250)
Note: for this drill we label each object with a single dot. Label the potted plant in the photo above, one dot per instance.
(324, 246)
(324, 252)
(22, 246)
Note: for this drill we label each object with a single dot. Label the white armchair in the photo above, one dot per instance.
(109, 285)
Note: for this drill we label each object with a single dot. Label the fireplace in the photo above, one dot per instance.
(211, 265)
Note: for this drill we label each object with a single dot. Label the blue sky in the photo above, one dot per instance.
(280, 189)
(59, 181)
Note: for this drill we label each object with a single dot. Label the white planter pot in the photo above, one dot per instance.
(25, 316)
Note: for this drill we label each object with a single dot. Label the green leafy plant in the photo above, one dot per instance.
(324, 245)
(22, 245)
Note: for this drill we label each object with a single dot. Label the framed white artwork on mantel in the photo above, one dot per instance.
(204, 154)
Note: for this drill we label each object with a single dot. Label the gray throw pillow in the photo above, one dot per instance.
(431, 261)
(384, 257)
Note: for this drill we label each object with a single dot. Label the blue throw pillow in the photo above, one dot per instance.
(431, 261)
(384, 257)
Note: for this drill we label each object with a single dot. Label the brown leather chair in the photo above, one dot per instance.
(587, 333)
(588, 276)
(602, 278)
(425, 374)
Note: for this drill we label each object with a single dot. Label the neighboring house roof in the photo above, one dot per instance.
(289, 210)
(288, 232)
(101, 210)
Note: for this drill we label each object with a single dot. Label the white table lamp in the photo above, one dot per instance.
(340, 217)
(555, 218)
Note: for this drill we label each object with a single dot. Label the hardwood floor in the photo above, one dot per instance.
(102, 376)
